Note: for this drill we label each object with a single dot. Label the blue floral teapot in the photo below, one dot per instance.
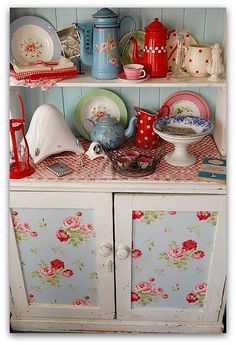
(109, 132)
(105, 58)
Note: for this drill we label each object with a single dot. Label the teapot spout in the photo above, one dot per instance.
(129, 132)
(136, 57)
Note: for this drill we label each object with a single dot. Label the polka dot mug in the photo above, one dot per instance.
(197, 58)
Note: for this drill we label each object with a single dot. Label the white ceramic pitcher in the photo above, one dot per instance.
(197, 58)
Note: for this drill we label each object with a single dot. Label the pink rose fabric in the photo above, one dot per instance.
(137, 214)
(67, 273)
(72, 222)
(47, 271)
(57, 264)
(191, 297)
(177, 253)
(143, 286)
(136, 253)
(198, 254)
(201, 288)
(189, 245)
(62, 235)
(203, 215)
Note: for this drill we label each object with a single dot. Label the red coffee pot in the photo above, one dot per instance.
(154, 56)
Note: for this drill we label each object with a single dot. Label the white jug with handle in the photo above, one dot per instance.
(197, 58)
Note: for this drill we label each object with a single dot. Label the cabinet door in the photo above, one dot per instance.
(175, 270)
(61, 254)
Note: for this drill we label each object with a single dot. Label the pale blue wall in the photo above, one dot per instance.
(205, 24)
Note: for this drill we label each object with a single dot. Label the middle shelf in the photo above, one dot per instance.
(85, 80)
(98, 175)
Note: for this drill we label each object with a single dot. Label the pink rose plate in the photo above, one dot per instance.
(187, 103)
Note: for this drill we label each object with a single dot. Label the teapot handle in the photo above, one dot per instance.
(84, 129)
(131, 33)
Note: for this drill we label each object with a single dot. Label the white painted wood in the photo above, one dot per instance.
(87, 81)
(123, 236)
(133, 186)
(219, 133)
(217, 271)
(107, 326)
(19, 301)
(123, 225)
(102, 205)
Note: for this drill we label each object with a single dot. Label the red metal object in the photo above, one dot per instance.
(154, 56)
(19, 160)
(145, 136)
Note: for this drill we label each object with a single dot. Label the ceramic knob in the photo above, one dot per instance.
(122, 252)
(105, 249)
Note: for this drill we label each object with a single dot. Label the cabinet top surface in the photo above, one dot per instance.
(99, 175)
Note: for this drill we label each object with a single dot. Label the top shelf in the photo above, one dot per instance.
(85, 80)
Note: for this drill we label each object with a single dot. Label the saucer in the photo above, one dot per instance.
(122, 76)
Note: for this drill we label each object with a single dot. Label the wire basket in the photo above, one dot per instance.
(135, 162)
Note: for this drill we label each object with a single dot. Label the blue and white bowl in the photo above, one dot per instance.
(198, 127)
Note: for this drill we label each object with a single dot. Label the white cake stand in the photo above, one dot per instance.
(180, 156)
(167, 128)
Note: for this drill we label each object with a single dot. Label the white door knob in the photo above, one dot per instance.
(105, 249)
(122, 252)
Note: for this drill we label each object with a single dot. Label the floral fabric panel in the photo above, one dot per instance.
(57, 249)
(171, 256)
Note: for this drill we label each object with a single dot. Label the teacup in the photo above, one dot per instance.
(134, 71)
(124, 161)
(197, 58)
(145, 162)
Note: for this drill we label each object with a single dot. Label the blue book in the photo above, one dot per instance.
(212, 170)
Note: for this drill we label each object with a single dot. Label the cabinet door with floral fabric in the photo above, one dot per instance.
(59, 267)
(173, 268)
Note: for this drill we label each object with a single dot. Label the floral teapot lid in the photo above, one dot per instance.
(107, 120)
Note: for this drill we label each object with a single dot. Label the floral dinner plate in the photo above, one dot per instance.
(33, 39)
(187, 103)
(97, 104)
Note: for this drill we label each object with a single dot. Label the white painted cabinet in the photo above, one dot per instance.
(101, 252)
(163, 266)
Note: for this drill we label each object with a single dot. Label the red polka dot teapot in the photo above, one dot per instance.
(154, 56)
(145, 136)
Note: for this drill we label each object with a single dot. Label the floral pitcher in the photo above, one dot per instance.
(105, 59)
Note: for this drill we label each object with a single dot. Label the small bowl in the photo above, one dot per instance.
(145, 162)
(133, 154)
(124, 161)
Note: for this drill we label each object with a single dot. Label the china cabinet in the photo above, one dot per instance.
(98, 251)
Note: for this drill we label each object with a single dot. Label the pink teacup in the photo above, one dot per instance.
(134, 71)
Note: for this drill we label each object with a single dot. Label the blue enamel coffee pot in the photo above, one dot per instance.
(105, 58)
